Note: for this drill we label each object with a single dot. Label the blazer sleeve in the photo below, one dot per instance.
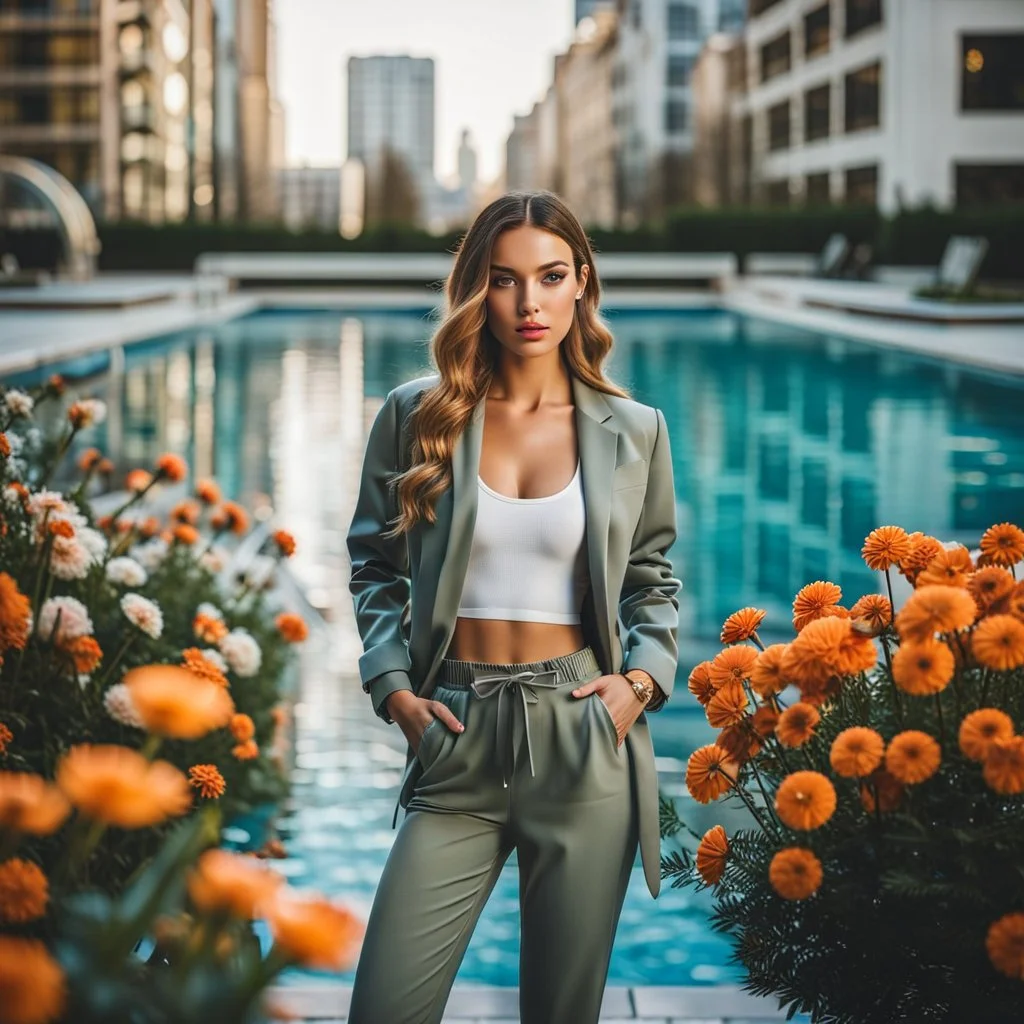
(379, 581)
(649, 605)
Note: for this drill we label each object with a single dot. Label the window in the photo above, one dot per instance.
(818, 191)
(683, 22)
(817, 108)
(775, 57)
(984, 184)
(862, 14)
(778, 192)
(818, 31)
(679, 68)
(862, 98)
(992, 72)
(731, 15)
(778, 126)
(676, 116)
(862, 186)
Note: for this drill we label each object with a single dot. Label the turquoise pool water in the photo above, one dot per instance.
(789, 447)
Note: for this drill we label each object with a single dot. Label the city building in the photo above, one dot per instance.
(310, 198)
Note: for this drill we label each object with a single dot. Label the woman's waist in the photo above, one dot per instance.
(512, 641)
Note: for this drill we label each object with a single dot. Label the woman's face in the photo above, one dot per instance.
(532, 280)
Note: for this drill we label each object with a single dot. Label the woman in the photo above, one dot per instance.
(533, 506)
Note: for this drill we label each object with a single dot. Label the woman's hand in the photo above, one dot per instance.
(618, 697)
(413, 714)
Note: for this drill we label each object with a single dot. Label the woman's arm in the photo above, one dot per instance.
(648, 605)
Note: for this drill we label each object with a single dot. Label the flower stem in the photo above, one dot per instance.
(892, 682)
(117, 657)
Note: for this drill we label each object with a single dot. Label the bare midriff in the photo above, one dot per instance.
(504, 641)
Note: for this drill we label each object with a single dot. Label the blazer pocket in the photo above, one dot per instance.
(630, 474)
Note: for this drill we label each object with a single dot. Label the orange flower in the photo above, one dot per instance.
(285, 542)
(856, 752)
(1004, 765)
(138, 480)
(247, 751)
(742, 625)
(885, 547)
(32, 985)
(229, 882)
(998, 642)
(1004, 943)
(314, 932)
(292, 627)
(150, 526)
(60, 528)
(825, 648)
(764, 721)
(242, 728)
(796, 724)
(805, 800)
(207, 491)
(86, 652)
(230, 516)
(105, 466)
(887, 787)
(5, 445)
(172, 701)
(709, 773)
(24, 891)
(208, 629)
(727, 706)
(913, 756)
(732, 665)
(989, 585)
(980, 728)
(923, 548)
(187, 511)
(198, 664)
(739, 741)
(766, 676)
(15, 609)
(700, 684)
(923, 668)
(89, 459)
(871, 614)
(279, 714)
(1003, 544)
(30, 804)
(1012, 603)
(185, 534)
(207, 779)
(5, 736)
(935, 609)
(813, 601)
(171, 467)
(795, 873)
(711, 854)
(951, 566)
(120, 787)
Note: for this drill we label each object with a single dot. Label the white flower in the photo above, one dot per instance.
(214, 560)
(74, 619)
(69, 560)
(18, 403)
(120, 706)
(151, 553)
(92, 411)
(126, 572)
(259, 571)
(12, 498)
(52, 507)
(144, 614)
(242, 652)
(16, 441)
(94, 542)
(211, 611)
(214, 657)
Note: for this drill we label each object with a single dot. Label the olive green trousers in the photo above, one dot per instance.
(537, 771)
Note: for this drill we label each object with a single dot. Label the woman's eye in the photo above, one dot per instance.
(557, 277)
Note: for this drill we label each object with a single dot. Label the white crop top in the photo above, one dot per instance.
(528, 558)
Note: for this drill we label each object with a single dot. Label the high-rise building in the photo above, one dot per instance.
(587, 8)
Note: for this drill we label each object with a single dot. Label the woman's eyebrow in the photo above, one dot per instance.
(544, 266)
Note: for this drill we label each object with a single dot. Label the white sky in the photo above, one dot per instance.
(493, 59)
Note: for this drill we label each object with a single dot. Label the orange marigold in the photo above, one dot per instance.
(913, 756)
(712, 852)
(207, 779)
(766, 676)
(313, 932)
(292, 627)
(207, 491)
(119, 786)
(700, 684)
(739, 741)
(742, 625)
(732, 665)
(229, 882)
(825, 648)
(171, 467)
(709, 773)
(89, 459)
(187, 511)
(138, 480)
(805, 800)
(856, 752)
(246, 751)
(15, 610)
(173, 701)
(150, 526)
(209, 629)
(32, 985)
(60, 528)
(5, 737)
(998, 642)
(242, 728)
(727, 706)
(951, 566)
(923, 548)
(24, 891)
(935, 609)
(764, 721)
(86, 652)
(30, 804)
(1003, 544)
(1012, 603)
(796, 724)
(185, 534)
(285, 542)
(198, 664)
(887, 788)
(230, 516)
(980, 728)
(1004, 943)
(923, 668)
(885, 547)
(871, 614)
(813, 602)
(1004, 765)
(5, 445)
(990, 585)
(795, 873)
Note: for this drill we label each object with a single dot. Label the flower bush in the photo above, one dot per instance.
(879, 759)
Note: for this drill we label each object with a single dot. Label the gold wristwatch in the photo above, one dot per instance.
(643, 688)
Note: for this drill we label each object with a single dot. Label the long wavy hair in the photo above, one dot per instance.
(466, 353)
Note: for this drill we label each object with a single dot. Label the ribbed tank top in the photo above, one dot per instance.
(528, 558)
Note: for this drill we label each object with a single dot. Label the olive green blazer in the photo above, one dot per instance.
(406, 591)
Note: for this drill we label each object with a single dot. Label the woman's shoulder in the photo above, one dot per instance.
(635, 415)
(404, 394)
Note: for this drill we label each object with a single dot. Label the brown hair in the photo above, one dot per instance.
(466, 353)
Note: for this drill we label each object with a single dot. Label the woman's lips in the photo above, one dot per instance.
(531, 332)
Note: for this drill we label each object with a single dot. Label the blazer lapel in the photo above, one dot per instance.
(451, 537)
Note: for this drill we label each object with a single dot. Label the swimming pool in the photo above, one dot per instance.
(789, 447)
